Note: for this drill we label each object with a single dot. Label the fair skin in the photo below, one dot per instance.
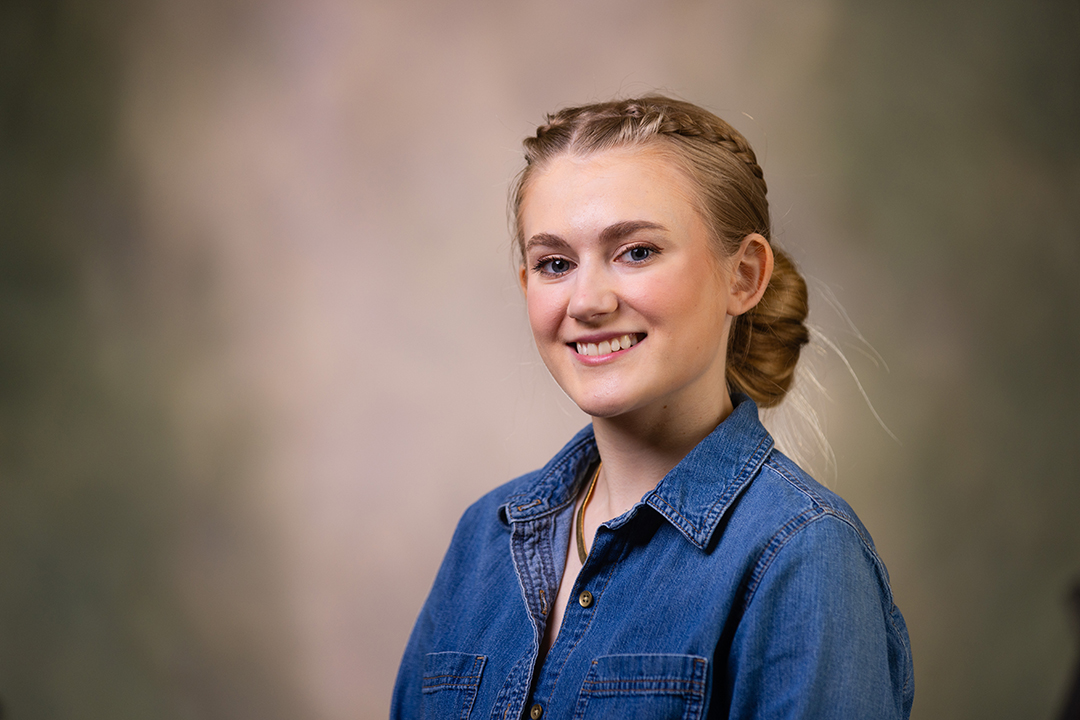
(616, 255)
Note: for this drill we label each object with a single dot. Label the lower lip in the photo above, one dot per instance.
(592, 360)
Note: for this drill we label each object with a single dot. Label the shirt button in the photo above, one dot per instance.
(585, 598)
(536, 711)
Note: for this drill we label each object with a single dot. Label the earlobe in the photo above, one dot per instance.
(751, 271)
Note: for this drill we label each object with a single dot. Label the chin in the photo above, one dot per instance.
(600, 412)
(602, 407)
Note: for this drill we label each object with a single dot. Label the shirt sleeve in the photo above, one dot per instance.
(820, 636)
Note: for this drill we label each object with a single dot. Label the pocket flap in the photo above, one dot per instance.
(655, 674)
(452, 670)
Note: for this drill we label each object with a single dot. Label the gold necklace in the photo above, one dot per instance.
(582, 553)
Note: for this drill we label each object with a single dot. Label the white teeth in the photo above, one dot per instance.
(608, 346)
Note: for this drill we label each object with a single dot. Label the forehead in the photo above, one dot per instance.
(587, 191)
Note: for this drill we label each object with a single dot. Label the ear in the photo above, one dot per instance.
(523, 278)
(751, 268)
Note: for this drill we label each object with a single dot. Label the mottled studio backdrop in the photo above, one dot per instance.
(261, 341)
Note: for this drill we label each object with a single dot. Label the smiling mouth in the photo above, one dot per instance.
(608, 346)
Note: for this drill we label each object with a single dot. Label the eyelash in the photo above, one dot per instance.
(543, 262)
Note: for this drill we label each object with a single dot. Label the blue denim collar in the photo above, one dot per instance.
(693, 497)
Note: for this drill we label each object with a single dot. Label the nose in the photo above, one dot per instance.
(594, 295)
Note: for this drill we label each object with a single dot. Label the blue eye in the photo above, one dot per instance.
(553, 266)
(639, 253)
(558, 265)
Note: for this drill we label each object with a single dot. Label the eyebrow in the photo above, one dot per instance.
(613, 232)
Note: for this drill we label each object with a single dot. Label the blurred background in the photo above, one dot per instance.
(261, 341)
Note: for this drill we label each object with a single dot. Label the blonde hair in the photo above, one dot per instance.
(765, 342)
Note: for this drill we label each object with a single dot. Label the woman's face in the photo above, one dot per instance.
(628, 303)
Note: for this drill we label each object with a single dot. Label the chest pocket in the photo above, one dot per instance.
(451, 680)
(664, 687)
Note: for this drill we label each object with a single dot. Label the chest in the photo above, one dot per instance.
(638, 628)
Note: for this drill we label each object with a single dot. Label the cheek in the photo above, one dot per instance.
(674, 297)
(545, 311)
(689, 305)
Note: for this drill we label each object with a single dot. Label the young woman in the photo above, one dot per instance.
(668, 562)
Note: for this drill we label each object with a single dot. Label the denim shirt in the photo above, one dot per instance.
(737, 588)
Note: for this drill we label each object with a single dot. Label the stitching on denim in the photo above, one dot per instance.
(525, 582)
(842, 515)
(609, 573)
(692, 688)
(774, 546)
(474, 674)
(582, 704)
(644, 679)
(700, 536)
(686, 693)
(747, 472)
(819, 512)
(538, 549)
(511, 693)
(818, 499)
(547, 558)
(470, 698)
(829, 507)
(685, 526)
(471, 686)
(909, 675)
(701, 669)
(547, 483)
(805, 489)
(795, 526)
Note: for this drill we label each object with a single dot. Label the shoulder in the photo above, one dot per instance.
(807, 528)
(487, 515)
(478, 554)
(802, 497)
(818, 578)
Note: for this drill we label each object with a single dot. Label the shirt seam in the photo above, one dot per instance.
(819, 501)
(542, 485)
(712, 514)
(796, 525)
(609, 572)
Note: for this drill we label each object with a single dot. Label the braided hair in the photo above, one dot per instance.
(765, 342)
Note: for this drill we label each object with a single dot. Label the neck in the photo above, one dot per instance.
(639, 449)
